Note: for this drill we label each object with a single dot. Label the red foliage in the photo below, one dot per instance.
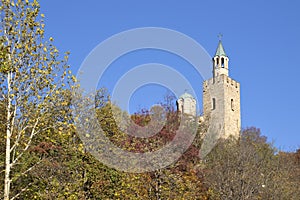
(45, 148)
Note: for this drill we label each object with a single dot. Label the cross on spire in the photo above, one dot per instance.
(220, 35)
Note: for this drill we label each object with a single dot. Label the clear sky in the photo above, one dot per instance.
(261, 38)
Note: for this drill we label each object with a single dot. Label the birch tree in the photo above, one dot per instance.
(32, 79)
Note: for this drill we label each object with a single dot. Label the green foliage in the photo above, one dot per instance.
(44, 158)
(33, 93)
(249, 169)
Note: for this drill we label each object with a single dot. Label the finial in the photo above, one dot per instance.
(220, 35)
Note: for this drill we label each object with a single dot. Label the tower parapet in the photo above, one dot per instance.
(221, 79)
(221, 98)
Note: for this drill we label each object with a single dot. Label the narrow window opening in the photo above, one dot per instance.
(222, 62)
(232, 105)
(213, 103)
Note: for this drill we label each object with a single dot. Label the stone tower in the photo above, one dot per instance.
(186, 104)
(221, 98)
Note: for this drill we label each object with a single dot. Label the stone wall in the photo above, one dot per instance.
(224, 111)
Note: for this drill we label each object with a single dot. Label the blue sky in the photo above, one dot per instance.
(261, 38)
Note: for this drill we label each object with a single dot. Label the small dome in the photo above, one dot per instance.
(186, 96)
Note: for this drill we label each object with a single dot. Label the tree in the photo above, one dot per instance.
(32, 81)
(248, 169)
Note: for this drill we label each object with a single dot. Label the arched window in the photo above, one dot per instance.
(232, 105)
(222, 62)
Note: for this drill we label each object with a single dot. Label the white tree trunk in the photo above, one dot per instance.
(8, 140)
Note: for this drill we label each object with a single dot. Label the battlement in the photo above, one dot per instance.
(221, 79)
(221, 98)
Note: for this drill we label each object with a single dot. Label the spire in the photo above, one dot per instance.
(220, 50)
(220, 60)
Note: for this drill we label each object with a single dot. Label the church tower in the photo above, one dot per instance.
(186, 104)
(221, 98)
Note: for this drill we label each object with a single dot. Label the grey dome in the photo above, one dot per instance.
(186, 96)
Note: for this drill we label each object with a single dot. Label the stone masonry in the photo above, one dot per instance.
(221, 98)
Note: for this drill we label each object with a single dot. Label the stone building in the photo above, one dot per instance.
(186, 104)
(221, 99)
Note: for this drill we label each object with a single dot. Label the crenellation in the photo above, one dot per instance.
(221, 100)
(222, 92)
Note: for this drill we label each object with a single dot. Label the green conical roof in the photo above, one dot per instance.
(220, 50)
